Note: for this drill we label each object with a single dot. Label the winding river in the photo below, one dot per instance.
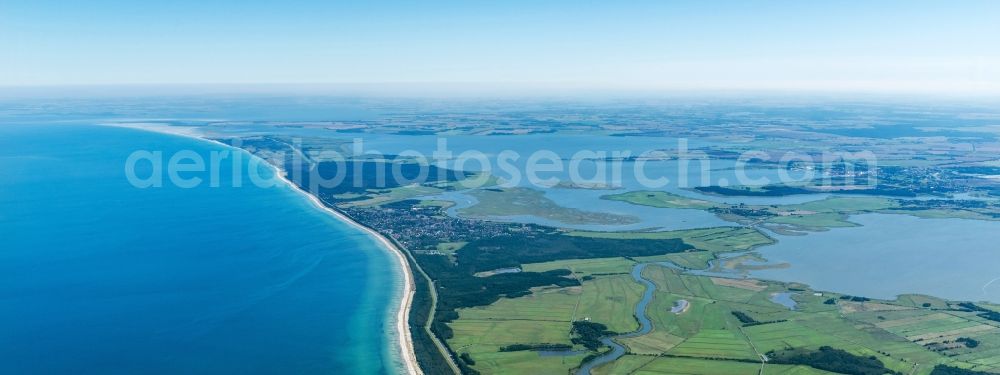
(645, 326)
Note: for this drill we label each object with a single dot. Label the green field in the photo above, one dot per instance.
(817, 221)
(709, 240)
(585, 267)
(632, 364)
(661, 199)
(654, 343)
(910, 335)
(524, 201)
(832, 212)
(811, 325)
(843, 205)
(545, 317)
(610, 300)
(450, 247)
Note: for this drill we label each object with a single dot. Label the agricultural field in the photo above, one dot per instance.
(944, 331)
(689, 260)
(585, 267)
(633, 364)
(653, 343)
(727, 327)
(610, 300)
(545, 317)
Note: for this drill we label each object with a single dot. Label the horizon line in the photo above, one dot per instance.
(502, 89)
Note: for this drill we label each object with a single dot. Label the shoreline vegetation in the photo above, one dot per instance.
(404, 339)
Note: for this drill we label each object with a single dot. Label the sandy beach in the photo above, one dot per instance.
(407, 353)
(405, 340)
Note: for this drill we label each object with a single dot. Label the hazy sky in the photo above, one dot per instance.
(950, 46)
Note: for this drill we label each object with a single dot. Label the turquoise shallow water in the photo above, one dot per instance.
(97, 276)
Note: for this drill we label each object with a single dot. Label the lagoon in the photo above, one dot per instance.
(891, 255)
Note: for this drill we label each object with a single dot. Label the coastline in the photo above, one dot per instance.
(405, 340)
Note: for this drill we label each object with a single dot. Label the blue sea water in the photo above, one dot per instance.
(100, 277)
